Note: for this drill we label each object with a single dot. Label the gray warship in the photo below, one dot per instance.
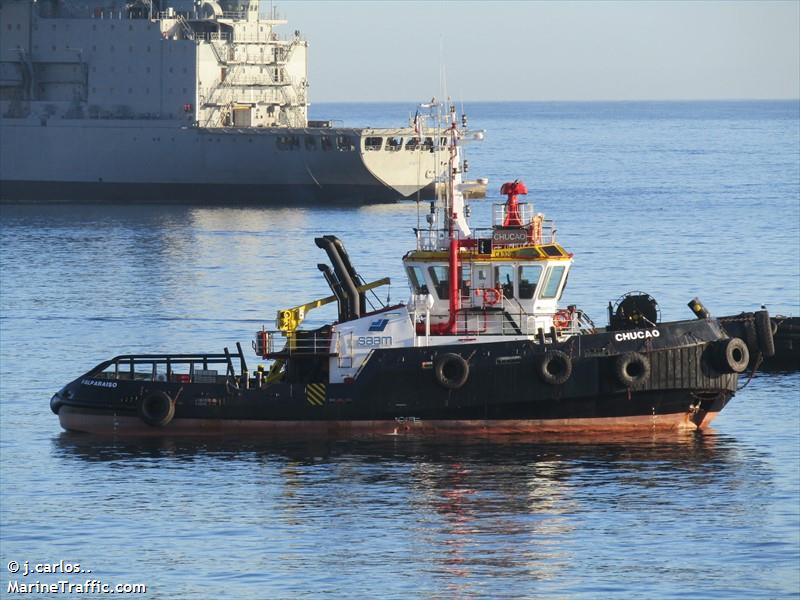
(182, 101)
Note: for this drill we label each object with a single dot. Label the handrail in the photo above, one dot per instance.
(308, 344)
(501, 321)
(169, 361)
(187, 29)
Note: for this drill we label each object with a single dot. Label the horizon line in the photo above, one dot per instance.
(587, 101)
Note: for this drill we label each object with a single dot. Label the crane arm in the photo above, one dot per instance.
(289, 319)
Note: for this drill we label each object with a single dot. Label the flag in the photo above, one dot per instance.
(416, 123)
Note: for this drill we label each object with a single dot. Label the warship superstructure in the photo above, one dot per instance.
(181, 101)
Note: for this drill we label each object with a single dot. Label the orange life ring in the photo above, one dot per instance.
(562, 319)
(491, 296)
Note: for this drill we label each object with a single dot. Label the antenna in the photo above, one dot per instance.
(442, 70)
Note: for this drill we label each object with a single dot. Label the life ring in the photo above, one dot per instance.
(766, 343)
(731, 355)
(491, 296)
(157, 409)
(555, 367)
(451, 371)
(632, 368)
(562, 319)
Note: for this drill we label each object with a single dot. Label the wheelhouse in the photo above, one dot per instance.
(509, 279)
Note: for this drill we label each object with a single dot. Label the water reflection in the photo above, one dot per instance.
(678, 449)
(232, 262)
(469, 508)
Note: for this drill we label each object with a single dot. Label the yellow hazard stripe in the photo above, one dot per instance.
(315, 393)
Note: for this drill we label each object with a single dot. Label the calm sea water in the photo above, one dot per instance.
(676, 199)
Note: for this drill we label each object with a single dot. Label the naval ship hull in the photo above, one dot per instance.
(401, 390)
(54, 192)
(123, 161)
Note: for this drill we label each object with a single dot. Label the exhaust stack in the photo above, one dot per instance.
(362, 296)
(349, 288)
(336, 288)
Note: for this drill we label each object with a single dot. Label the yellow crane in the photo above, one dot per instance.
(289, 320)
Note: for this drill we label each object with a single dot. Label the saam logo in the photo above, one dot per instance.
(379, 325)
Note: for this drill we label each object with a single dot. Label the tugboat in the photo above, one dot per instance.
(482, 347)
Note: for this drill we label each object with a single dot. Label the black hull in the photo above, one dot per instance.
(62, 192)
(397, 391)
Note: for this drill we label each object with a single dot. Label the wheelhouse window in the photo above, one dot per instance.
(412, 143)
(311, 143)
(466, 281)
(326, 143)
(440, 276)
(504, 279)
(528, 279)
(393, 144)
(416, 276)
(481, 275)
(552, 282)
(373, 143)
(552, 251)
(427, 144)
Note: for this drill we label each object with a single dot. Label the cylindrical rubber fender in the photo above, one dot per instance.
(766, 343)
(750, 336)
(451, 371)
(157, 409)
(631, 368)
(555, 367)
(731, 355)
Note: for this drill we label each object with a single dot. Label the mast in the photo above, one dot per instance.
(453, 212)
(455, 267)
(458, 232)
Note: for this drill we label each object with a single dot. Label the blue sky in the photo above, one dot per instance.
(374, 51)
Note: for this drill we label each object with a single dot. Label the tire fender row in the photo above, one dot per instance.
(630, 369)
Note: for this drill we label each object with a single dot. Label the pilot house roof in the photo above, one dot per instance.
(533, 252)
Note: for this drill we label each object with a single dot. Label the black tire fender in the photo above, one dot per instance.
(55, 403)
(451, 371)
(156, 409)
(731, 355)
(632, 368)
(766, 343)
(555, 367)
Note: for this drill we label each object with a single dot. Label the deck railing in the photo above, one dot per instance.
(302, 343)
(504, 322)
(181, 368)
